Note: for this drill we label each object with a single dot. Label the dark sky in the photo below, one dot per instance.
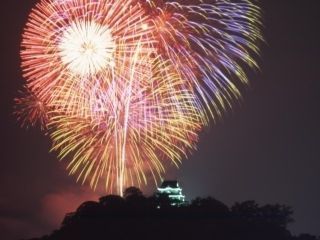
(267, 149)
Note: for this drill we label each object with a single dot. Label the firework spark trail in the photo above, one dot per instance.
(123, 88)
(222, 34)
(152, 117)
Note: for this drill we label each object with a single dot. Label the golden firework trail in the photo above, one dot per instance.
(123, 87)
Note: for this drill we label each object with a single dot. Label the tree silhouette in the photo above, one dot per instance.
(210, 205)
(138, 217)
(279, 215)
(132, 192)
(112, 202)
(307, 237)
(247, 209)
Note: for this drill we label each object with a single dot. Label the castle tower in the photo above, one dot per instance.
(173, 191)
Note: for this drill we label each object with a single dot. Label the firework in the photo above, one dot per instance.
(123, 88)
(29, 110)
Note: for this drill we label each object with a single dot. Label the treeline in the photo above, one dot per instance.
(138, 217)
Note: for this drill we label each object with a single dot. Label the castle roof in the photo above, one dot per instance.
(171, 184)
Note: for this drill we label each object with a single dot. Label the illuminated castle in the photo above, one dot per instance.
(173, 191)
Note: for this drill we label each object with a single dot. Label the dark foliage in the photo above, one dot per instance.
(278, 215)
(138, 217)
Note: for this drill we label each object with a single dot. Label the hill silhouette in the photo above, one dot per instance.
(138, 217)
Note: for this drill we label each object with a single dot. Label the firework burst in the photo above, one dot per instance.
(123, 88)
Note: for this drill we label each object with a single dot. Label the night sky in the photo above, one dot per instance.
(267, 149)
